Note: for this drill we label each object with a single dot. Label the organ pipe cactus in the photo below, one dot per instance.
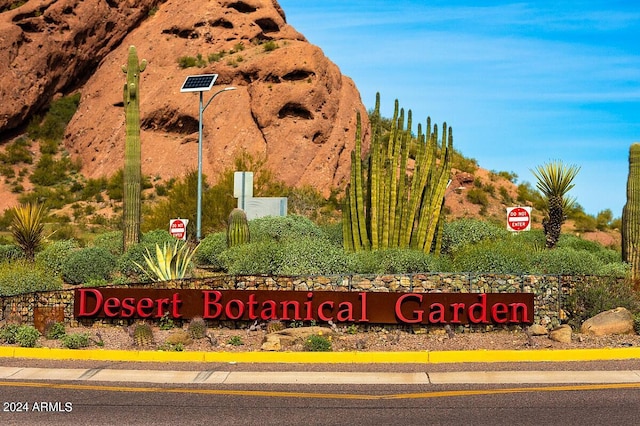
(395, 207)
(237, 228)
(631, 214)
(132, 169)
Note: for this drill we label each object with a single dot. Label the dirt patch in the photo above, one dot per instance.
(347, 339)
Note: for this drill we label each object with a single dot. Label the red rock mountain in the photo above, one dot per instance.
(291, 103)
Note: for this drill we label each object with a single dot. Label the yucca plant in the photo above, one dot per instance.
(27, 228)
(169, 263)
(555, 179)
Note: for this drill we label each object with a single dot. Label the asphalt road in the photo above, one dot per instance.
(123, 404)
(77, 392)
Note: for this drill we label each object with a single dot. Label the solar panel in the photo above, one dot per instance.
(199, 83)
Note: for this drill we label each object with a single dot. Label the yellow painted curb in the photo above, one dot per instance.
(534, 355)
(416, 357)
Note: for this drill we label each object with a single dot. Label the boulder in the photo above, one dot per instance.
(179, 337)
(271, 343)
(538, 330)
(614, 321)
(561, 334)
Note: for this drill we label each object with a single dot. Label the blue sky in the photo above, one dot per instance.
(521, 84)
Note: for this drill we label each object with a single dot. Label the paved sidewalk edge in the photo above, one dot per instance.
(415, 357)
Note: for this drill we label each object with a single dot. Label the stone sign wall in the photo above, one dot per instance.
(550, 290)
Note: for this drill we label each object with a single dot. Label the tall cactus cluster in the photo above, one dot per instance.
(237, 228)
(388, 203)
(132, 169)
(631, 214)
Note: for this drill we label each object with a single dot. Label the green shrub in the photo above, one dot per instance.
(55, 122)
(317, 343)
(75, 340)
(88, 263)
(636, 323)
(18, 152)
(498, 257)
(614, 269)
(280, 228)
(27, 336)
(210, 248)
(393, 261)
(311, 256)
(54, 330)
(112, 241)
(253, 258)
(8, 333)
(235, 341)
(270, 46)
(478, 196)
(20, 277)
(565, 261)
(54, 254)
(460, 233)
(187, 62)
(10, 252)
(600, 294)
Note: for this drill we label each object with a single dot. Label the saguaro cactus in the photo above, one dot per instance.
(631, 214)
(238, 228)
(394, 206)
(132, 169)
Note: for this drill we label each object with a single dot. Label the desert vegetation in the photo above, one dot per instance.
(70, 240)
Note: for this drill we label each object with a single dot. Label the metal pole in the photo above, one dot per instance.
(199, 200)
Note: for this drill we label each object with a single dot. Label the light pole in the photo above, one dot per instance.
(201, 83)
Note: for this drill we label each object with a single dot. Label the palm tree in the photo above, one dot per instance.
(554, 181)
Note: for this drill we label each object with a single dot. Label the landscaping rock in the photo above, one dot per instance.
(538, 330)
(561, 334)
(614, 321)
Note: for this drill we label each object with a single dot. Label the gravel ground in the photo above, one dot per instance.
(346, 339)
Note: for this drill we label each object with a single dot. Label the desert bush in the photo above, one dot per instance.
(18, 152)
(112, 241)
(499, 257)
(53, 255)
(55, 121)
(54, 330)
(309, 255)
(20, 276)
(88, 263)
(210, 248)
(317, 343)
(253, 258)
(187, 61)
(75, 340)
(280, 228)
(270, 46)
(463, 232)
(8, 333)
(565, 261)
(393, 261)
(27, 336)
(10, 252)
(600, 294)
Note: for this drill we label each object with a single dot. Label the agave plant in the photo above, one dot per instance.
(554, 181)
(27, 228)
(169, 263)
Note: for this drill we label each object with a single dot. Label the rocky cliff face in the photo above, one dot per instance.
(291, 104)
